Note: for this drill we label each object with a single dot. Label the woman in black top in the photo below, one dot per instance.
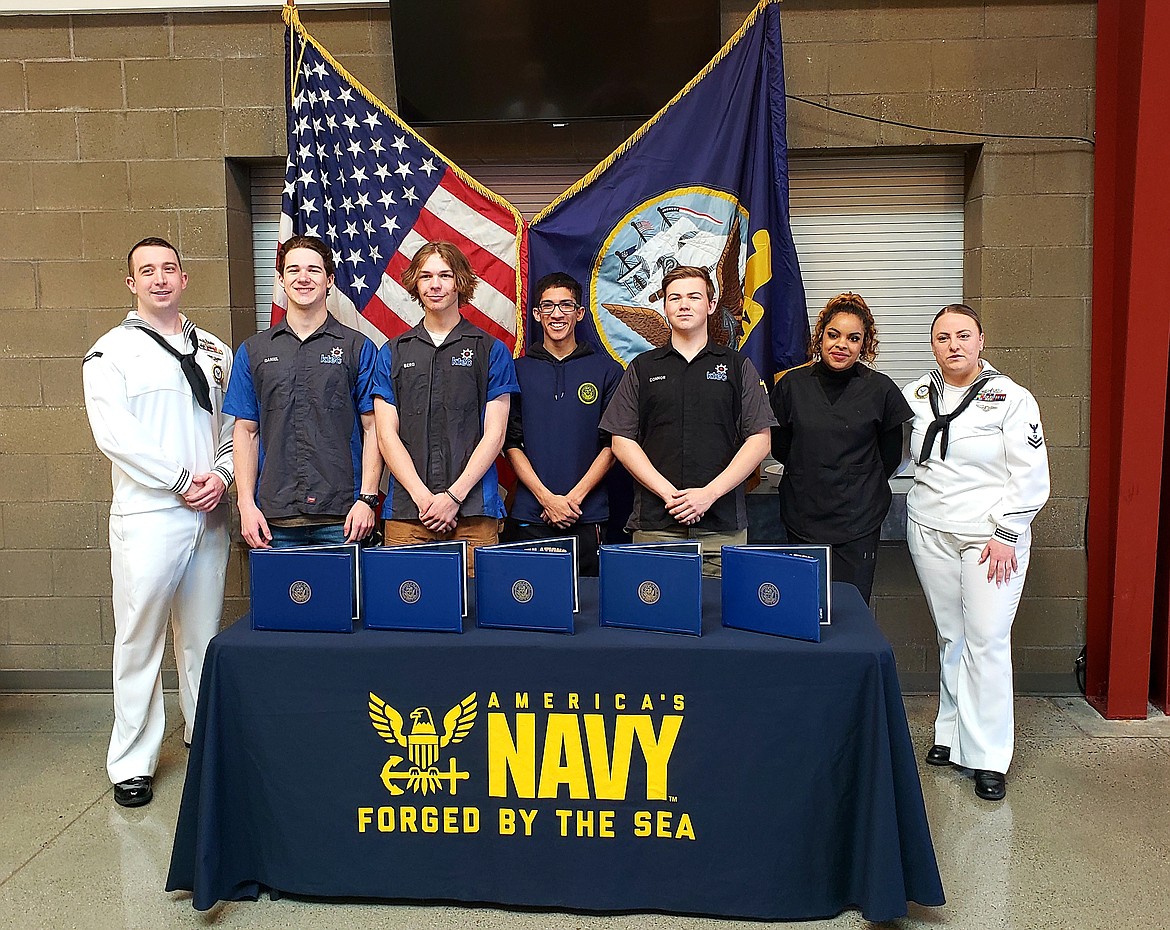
(840, 440)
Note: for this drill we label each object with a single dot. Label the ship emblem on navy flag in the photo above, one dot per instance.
(690, 226)
(423, 744)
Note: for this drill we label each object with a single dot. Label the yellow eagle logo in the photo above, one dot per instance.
(422, 743)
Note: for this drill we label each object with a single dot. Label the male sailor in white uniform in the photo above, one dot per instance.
(154, 390)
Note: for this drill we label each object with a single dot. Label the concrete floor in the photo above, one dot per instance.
(1082, 841)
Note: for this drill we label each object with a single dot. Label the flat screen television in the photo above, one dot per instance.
(461, 61)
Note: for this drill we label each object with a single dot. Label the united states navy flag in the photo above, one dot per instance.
(365, 182)
(704, 182)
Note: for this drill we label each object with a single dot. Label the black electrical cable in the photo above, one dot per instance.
(950, 132)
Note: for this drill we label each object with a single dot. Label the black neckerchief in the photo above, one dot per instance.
(191, 370)
(942, 421)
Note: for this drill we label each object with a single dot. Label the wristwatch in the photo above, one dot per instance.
(370, 500)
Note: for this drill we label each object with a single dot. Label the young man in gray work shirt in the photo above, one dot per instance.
(690, 421)
(306, 457)
(442, 394)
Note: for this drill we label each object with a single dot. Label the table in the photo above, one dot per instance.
(733, 774)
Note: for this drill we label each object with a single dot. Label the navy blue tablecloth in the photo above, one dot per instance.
(733, 774)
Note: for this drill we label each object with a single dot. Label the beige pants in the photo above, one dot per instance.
(478, 531)
(711, 542)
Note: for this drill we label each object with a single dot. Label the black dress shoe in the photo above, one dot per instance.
(991, 786)
(939, 755)
(134, 792)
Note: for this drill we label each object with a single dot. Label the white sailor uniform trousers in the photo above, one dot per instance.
(991, 484)
(167, 561)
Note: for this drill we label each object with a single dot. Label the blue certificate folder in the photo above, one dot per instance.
(652, 586)
(769, 591)
(824, 557)
(529, 585)
(419, 587)
(309, 588)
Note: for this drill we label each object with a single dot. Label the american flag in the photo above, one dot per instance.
(366, 183)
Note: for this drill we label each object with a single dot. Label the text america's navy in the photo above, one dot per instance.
(308, 397)
(441, 393)
(144, 418)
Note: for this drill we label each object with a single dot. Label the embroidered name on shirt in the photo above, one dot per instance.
(657, 378)
(408, 364)
(271, 358)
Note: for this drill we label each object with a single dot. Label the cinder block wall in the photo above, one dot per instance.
(116, 127)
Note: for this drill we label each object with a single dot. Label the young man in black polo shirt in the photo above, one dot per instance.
(690, 421)
(562, 457)
(301, 391)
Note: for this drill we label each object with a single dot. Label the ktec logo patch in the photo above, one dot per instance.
(464, 359)
(423, 744)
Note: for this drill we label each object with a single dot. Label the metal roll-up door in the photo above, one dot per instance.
(267, 189)
(890, 229)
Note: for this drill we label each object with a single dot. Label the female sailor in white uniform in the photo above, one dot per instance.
(981, 476)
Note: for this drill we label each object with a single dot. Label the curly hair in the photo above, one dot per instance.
(854, 304)
(465, 278)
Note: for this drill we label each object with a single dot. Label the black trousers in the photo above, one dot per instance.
(853, 561)
(588, 540)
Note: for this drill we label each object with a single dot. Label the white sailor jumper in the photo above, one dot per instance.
(165, 558)
(993, 482)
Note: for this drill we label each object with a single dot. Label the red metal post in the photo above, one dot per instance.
(1131, 350)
